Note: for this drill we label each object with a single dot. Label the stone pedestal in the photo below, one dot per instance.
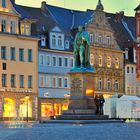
(81, 106)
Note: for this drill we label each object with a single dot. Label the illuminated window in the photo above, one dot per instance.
(116, 85)
(108, 84)
(108, 61)
(117, 63)
(100, 61)
(9, 108)
(22, 28)
(46, 110)
(100, 86)
(27, 29)
(92, 59)
(23, 108)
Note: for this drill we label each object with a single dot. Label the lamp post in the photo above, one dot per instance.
(27, 98)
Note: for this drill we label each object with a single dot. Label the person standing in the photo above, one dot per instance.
(101, 104)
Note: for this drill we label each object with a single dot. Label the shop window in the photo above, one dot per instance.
(46, 110)
(23, 108)
(9, 108)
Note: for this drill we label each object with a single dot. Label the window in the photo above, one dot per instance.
(21, 80)
(60, 82)
(54, 61)
(99, 39)
(108, 84)
(3, 53)
(43, 41)
(22, 28)
(66, 62)
(132, 70)
(127, 69)
(42, 81)
(60, 41)
(47, 81)
(71, 62)
(13, 80)
(41, 59)
(4, 3)
(54, 82)
(100, 84)
(108, 61)
(30, 55)
(4, 66)
(65, 82)
(116, 63)
(91, 37)
(13, 53)
(60, 61)
(67, 44)
(4, 80)
(21, 54)
(116, 85)
(92, 59)
(48, 60)
(100, 61)
(108, 40)
(27, 30)
(30, 81)
(3, 26)
(12, 27)
(53, 40)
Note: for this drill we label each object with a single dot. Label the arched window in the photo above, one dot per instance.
(116, 63)
(108, 61)
(108, 84)
(100, 86)
(116, 85)
(92, 59)
(100, 61)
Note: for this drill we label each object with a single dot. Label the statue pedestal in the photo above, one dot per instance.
(81, 106)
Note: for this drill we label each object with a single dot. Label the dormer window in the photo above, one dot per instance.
(25, 29)
(43, 41)
(4, 3)
(3, 26)
(60, 41)
(53, 40)
(67, 44)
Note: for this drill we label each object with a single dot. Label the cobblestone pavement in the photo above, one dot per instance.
(119, 131)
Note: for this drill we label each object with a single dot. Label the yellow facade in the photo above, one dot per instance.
(13, 101)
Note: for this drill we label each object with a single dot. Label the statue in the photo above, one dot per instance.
(82, 50)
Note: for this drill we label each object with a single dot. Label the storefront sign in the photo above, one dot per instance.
(15, 90)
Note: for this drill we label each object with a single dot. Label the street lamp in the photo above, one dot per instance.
(27, 98)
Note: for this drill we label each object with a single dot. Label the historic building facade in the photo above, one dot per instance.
(106, 55)
(18, 65)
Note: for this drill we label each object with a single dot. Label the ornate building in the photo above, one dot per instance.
(18, 65)
(106, 55)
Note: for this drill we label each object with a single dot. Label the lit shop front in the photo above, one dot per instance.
(18, 105)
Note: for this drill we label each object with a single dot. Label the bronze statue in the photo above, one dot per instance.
(82, 50)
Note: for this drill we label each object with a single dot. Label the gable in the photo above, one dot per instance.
(56, 29)
(7, 7)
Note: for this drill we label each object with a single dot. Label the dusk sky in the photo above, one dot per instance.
(109, 5)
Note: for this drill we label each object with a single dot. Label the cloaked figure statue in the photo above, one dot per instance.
(82, 51)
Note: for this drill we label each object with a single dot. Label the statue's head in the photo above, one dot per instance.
(80, 28)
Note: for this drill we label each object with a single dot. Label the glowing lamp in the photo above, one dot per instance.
(89, 92)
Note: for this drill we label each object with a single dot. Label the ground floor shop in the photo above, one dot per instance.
(18, 106)
(51, 107)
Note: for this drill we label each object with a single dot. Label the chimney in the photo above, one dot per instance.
(13, 1)
(43, 5)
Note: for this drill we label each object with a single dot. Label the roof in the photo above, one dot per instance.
(137, 8)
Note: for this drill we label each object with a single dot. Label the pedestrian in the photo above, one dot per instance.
(101, 104)
(96, 100)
